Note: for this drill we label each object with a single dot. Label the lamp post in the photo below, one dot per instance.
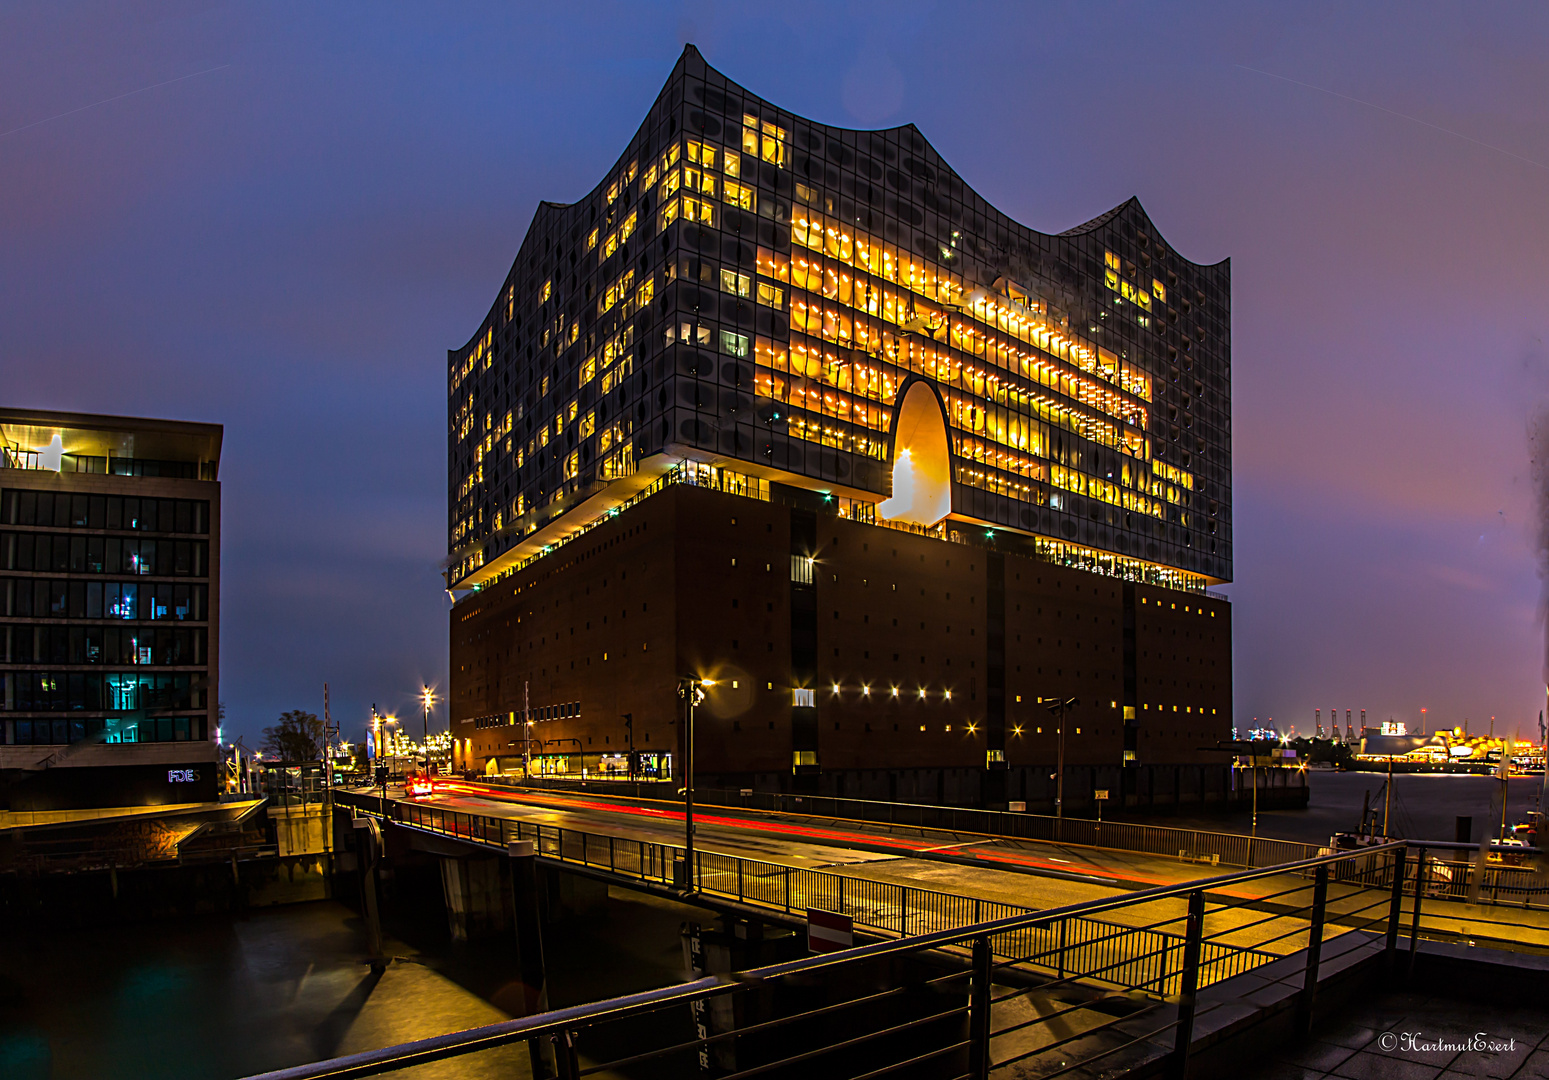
(427, 698)
(1058, 709)
(376, 760)
(392, 760)
(629, 726)
(691, 690)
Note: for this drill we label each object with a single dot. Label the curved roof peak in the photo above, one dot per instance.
(1104, 218)
(693, 64)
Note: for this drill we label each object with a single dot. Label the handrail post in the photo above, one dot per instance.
(1414, 925)
(1396, 907)
(1064, 938)
(1314, 951)
(1187, 992)
(565, 1057)
(979, 1011)
(903, 911)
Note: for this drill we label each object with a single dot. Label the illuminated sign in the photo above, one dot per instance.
(182, 776)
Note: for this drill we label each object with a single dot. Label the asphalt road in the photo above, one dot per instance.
(1028, 873)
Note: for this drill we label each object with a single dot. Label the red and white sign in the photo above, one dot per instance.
(828, 931)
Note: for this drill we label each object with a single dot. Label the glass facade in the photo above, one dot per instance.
(752, 290)
(106, 583)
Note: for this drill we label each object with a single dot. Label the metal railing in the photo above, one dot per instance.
(1060, 989)
(1227, 849)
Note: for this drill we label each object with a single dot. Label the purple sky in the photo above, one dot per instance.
(287, 239)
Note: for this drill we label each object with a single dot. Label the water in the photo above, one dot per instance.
(1425, 806)
(224, 996)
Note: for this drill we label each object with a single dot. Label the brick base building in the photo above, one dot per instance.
(844, 657)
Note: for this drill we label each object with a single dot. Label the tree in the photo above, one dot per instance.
(297, 737)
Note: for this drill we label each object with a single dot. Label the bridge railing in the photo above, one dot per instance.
(1113, 983)
(878, 906)
(1521, 882)
(1204, 845)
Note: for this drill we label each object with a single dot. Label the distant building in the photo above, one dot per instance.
(791, 407)
(109, 609)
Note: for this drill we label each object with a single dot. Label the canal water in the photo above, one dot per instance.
(216, 997)
(1425, 806)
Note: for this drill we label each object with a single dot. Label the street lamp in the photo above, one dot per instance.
(629, 726)
(1058, 708)
(376, 761)
(691, 690)
(427, 698)
(392, 743)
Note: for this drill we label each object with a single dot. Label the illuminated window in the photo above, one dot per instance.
(572, 464)
(702, 182)
(591, 240)
(619, 289)
(667, 214)
(699, 210)
(764, 140)
(806, 698)
(771, 295)
(735, 283)
(734, 344)
(548, 288)
(588, 425)
(739, 195)
(733, 165)
(1111, 260)
(588, 370)
(1159, 290)
(701, 154)
(804, 757)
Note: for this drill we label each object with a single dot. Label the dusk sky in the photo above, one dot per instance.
(279, 218)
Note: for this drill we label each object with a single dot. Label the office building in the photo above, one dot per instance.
(109, 609)
(791, 408)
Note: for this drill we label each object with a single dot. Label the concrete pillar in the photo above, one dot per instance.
(475, 896)
(529, 941)
(369, 846)
(575, 895)
(708, 951)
